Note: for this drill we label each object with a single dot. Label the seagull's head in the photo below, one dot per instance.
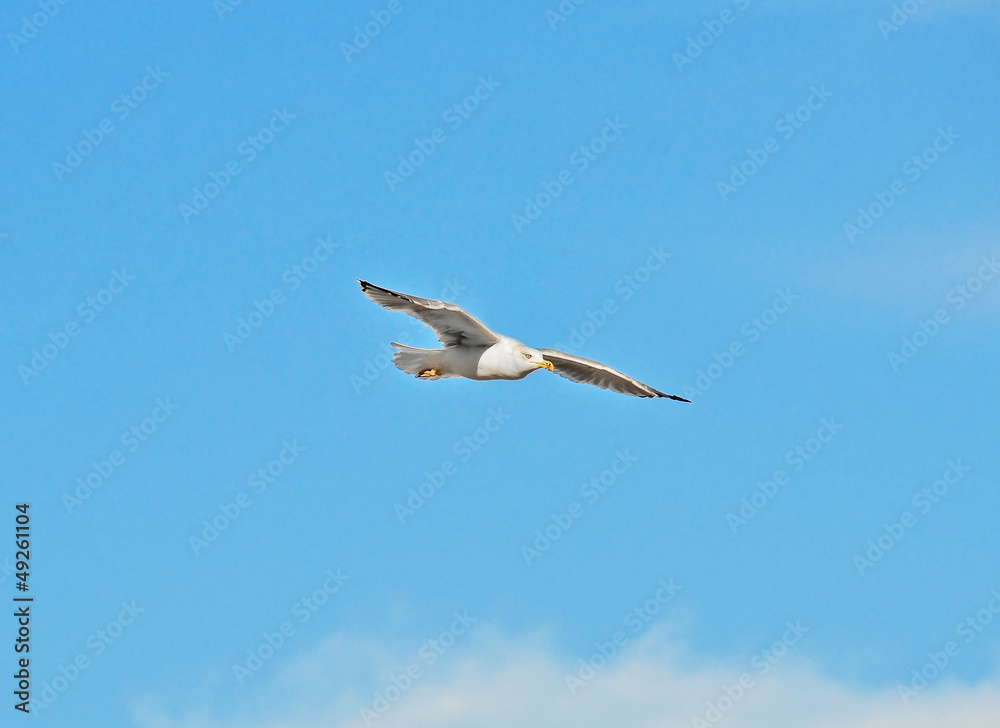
(533, 359)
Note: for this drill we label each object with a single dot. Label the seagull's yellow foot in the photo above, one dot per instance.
(428, 373)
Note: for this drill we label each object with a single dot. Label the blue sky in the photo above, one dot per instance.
(785, 211)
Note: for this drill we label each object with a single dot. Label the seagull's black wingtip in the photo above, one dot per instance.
(365, 285)
(676, 398)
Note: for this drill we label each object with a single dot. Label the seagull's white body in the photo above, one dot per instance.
(502, 360)
(472, 351)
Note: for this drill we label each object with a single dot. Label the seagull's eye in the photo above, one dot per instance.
(527, 356)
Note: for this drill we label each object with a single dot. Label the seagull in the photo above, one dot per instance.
(472, 351)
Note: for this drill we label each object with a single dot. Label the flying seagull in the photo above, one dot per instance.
(472, 351)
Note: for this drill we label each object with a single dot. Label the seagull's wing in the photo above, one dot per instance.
(587, 371)
(451, 324)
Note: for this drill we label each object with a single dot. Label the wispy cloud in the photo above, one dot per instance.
(913, 274)
(496, 681)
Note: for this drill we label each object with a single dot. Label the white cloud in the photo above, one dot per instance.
(491, 681)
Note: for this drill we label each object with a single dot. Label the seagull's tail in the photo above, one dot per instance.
(423, 363)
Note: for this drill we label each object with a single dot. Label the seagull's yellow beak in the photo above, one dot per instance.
(545, 365)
